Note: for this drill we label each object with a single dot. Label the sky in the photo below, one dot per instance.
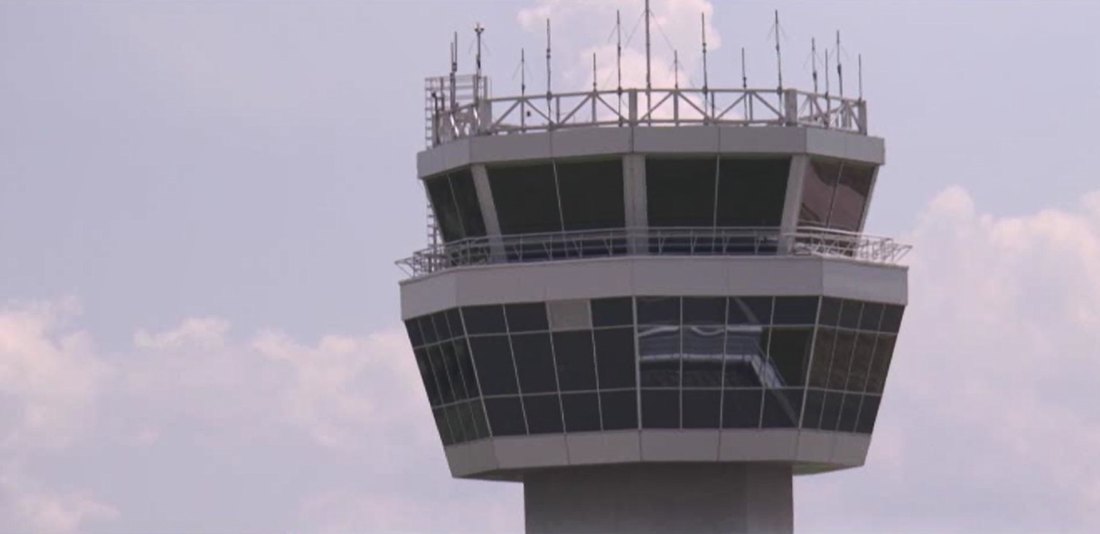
(201, 202)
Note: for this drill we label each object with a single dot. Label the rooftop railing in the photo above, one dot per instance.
(662, 241)
(639, 107)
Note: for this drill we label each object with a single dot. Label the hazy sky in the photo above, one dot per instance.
(201, 202)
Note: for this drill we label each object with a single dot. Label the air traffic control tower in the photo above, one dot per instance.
(652, 308)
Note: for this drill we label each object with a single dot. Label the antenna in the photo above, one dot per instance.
(478, 30)
(522, 72)
(454, 71)
(594, 89)
(826, 73)
(778, 53)
(813, 59)
(619, 52)
(648, 84)
(703, 27)
(548, 64)
(676, 68)
(839, 68)
(744, 78)
(860, 72)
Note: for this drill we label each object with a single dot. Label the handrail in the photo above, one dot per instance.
(657, 241)
(640, 107)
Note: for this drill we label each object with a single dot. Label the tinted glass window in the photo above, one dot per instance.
(795, 310)
(454, 416)
(851, 196)
(582, 412)
(830, 412)
(789, 350)
(427, 329)
(526, 317)
(849, 411)
(751, 191)
(818, 187)
(484, 319)
(880, 363)
(592, 194)
(861, 362)
(702, 408)
(612, 312)
(482, 424)
(745, 357)
(455, 321)
(413, 329)
(535, 362)
(830, 311)
(850, 313)
(443, 330)
(782, 408)
(620, 410)
(872, 315)
(868, 412)
(495, 370)
(465, 417)
(526, 198)
(842, 359)
(659, 310)
(811, 416)
(704, 310)
(702, 355)
(425, 368)
(443, 426)
(750, 310)
(569, 315)
(574, 355)
(741, 408)
(660, 408)
(680, 192)
(823, 357)
(450, 361)
(469, 210)
(446, 211)
(543, 413)
(446, 392)
(505, 416)
(659, 355)
(891, 318)
(615, 357)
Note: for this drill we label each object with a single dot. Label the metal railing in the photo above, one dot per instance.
(662, 241)
(639, 107)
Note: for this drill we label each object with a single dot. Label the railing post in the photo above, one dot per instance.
(790, 107)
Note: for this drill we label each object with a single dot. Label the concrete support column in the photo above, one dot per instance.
(634, 198)
(488, 209)
(673, 497)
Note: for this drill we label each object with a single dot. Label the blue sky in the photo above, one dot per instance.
(201, 202)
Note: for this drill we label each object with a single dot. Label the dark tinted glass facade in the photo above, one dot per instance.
(655, 362)
(723, 192)
(835, 194)
(454, 201)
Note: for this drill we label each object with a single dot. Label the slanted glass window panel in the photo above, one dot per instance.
(446, 211)
(413, 328)
(484, 319)
(746, 356)
(850, 313)
(830, 311)
(455, 420)
(454, 319)
(818, 188)
(592, 194)
(849, 411)
(680, 191)
(660, 408)
(613, 312)
(851, 196)
(891, 318)
(446, 392)
(496, 371)
(454, 374)
(703, 347)
(443, 426)
(741, 408)
(789, 354)
(751, 191)
(782, 408)
(526, 198)
(480, 424)
(573, 353)
(582, 412)
(505, 416)
(749, 310)
(443, 330)
(880, 363)
(526, 317)
(615, 357)
(811, 416)
(795, 310)
(466, 366)
(830, 412)
(823, 357)
(570, 315)
(842, 359)
(469, 209)
(861, 361)
(425, 368)
(868, 413)
(427, 329)
(543, 414)
(871, 317)
(620, 409)
(702, 408)
(659, 355)
(535, 362)
(461, 412)
(659, 310)
(704, 310)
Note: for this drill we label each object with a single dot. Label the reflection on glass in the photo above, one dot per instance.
(659, 355)
(702, 355)
(745, 357)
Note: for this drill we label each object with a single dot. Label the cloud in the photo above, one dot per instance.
(990, 420)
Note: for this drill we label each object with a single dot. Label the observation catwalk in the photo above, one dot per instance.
(652, 307)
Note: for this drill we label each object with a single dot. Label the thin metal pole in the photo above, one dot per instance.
(839, 68)
(548, 79)
(478, 29)
(860, 72)
(813, 60)
(706, 89)
(778, 53)
(648, 79)
(619, 62)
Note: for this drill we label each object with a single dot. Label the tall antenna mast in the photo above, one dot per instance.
(860, 72)
(619, 51)
(813, 60)
(744, 77)
(548, 65)
(648, 80)
(454, 71)
(826, 72)
(676, 68)
(839, 68)
(594, 89)
(703, 27)
(778, 53)
(478, 29)
(522, 72)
